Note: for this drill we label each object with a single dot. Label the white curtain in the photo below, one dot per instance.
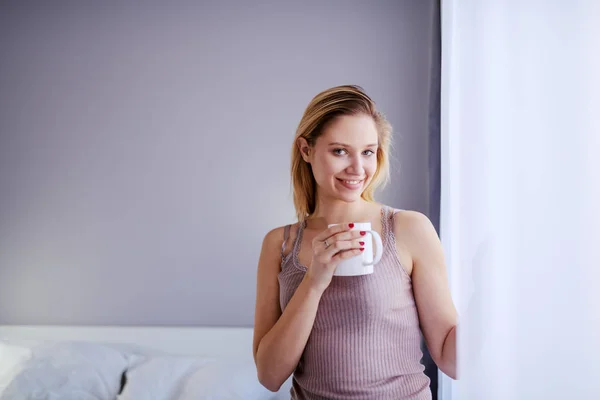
(520, 196)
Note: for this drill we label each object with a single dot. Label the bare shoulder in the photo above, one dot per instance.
(274, 237)
(412, 223)
(416, 231)
(273, 240)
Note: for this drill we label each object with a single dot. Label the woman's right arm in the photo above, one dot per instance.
(280, 338)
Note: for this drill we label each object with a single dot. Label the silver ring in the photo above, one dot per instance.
(326, 244)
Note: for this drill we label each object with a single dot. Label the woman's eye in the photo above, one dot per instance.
(368, 152)
(339, 152)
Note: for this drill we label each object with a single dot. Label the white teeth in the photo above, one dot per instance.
(352, 182)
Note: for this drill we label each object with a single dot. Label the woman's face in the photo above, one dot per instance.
(344, 157)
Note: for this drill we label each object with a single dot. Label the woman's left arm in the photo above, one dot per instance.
(437, 314)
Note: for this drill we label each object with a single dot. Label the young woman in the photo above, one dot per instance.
(349, 337)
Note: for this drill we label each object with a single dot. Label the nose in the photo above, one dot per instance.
(355, 167)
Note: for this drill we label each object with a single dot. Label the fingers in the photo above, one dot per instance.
(343, 245)
(346, 235)
(333, 230)
(331, 239)
(338, 242)
(342, 255)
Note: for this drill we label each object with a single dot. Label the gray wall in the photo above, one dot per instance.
(144, 150)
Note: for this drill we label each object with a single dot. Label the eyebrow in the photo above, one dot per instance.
(347, 145)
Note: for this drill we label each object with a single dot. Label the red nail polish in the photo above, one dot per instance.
(362, 233)
(351, 225)
(362, 248)
(361, 243)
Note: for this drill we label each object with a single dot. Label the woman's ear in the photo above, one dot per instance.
(305, 149)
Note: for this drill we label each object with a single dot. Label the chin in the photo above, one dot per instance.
(350, 199)
(349, 196)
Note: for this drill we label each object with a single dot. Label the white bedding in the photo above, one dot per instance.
(12, 361)
(185, 378)
(66, 369)
(70, 370)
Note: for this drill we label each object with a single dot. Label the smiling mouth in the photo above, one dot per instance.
(351, 182)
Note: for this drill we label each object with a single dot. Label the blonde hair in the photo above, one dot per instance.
(323, 109)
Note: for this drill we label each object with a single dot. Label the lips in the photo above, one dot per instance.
(351, 184)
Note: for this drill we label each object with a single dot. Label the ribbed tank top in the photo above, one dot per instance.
(365, 341)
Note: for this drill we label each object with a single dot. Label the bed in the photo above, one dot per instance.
(126, 363)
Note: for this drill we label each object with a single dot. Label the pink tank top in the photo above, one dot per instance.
(365, 341)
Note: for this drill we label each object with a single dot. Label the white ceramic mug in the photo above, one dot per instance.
(362, 264)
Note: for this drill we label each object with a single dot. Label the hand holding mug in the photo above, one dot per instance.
(330, 247)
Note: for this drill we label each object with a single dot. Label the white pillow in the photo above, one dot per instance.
(225, 379)
(159, 377)
(69, 370)
(12, 360)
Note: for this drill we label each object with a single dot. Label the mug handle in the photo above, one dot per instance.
(378, 249)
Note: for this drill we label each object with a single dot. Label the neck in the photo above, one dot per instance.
(330, 211)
